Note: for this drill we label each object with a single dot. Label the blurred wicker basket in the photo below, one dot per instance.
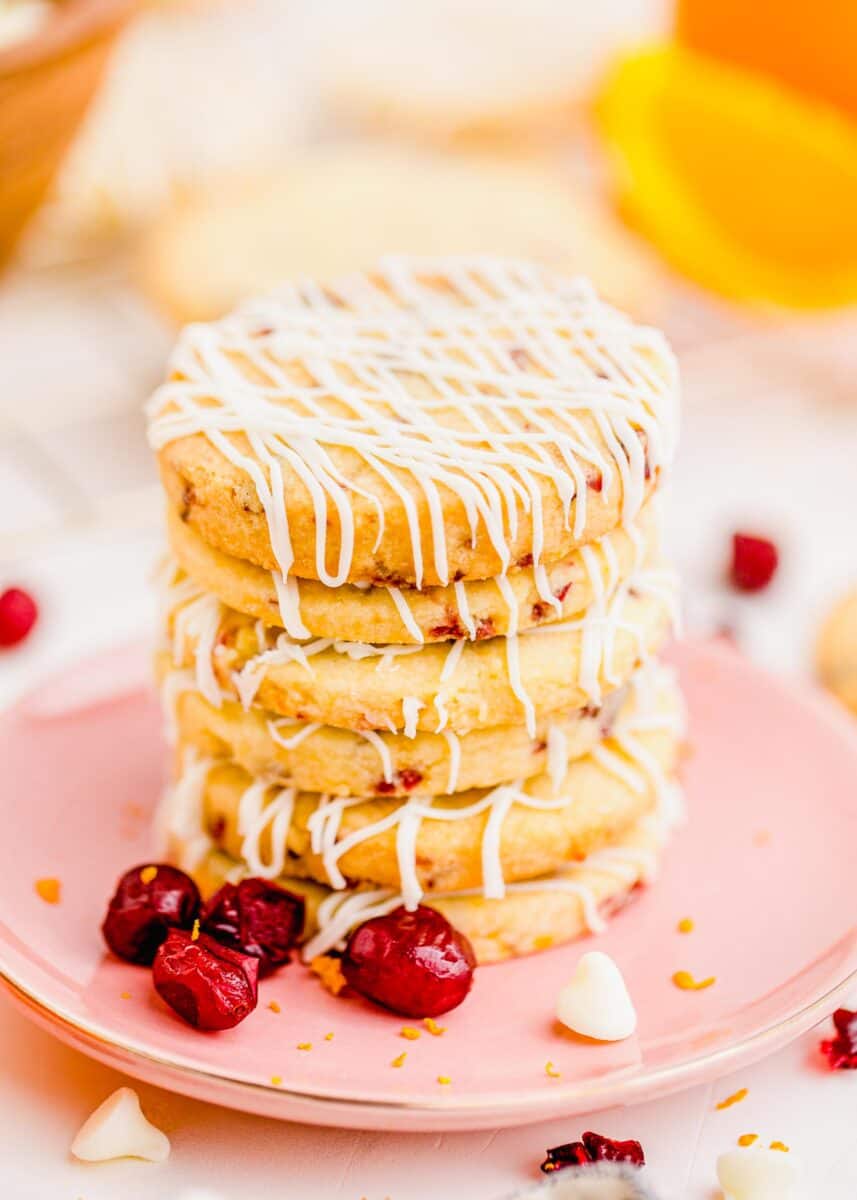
(46, 83)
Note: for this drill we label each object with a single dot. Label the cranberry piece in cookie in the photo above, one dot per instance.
(413, 963)
(754, 562)
(149, 901)
(18, 614)
(258, 918)
(210, 986)
(592, 1148)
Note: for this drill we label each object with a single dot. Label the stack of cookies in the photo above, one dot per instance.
(415, 600)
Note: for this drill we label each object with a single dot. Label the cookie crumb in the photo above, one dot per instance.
(329, 971)
(779, 1146)
(747, 1139)
(735, 1098)
(408, 1032)
(399, 1060)
(48, 890)
(432, 1026)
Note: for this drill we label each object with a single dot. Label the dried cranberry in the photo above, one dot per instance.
(258, 918)
(209, 985)
(18, 615)
(410, 778)
(149, 901)
(754, 561)
(414, 963)
(841, 1051)
(592, 1148)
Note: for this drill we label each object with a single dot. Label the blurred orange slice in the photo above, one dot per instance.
(744, 186)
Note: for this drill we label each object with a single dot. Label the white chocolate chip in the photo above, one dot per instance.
(118, 1129)
(757, 1174)
(596, 1002)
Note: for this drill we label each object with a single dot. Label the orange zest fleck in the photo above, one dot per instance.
(329, 971)
(735, 1098)
(432, 1026)
(551, 1070)
(304, 1045)
(409, 1033)
(48, 890)
(274, 1006)
(779, 1146)
(328, 1037)
(747, 1139)
(276, 1080)
(685, 925)
(399, 1060)
(194, 933)
(444, 1079)
(124, 995)
(687, 983)
(148, 874)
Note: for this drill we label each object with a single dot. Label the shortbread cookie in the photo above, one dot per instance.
(320, 758)
(475, 610)
(516, 831)
(337, 208)
(836, 651)
(458, 685)
(472, 72)
(532, 916)
(433, 421)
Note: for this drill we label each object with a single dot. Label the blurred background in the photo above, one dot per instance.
(697, 158)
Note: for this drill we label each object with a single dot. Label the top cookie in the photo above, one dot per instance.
(430, 421)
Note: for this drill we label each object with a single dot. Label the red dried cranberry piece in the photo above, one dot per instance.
(605, 1149)
(258, 918)
(149, 901)
(18, 615)
(841, 1051)
(410, 778)
(414, 963)
(209, 985)
(571, 1154)
(592, 1148)
(754, 561)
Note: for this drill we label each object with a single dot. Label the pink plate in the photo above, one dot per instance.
(765, 868)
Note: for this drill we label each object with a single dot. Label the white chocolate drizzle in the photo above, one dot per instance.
(520, 368)
(630, 761)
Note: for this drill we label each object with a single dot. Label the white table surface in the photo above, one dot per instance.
(769, 442)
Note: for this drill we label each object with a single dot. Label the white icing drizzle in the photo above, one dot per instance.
(405, 613)
(454, 743)
(305, 730)
(183, 806)
(289, 603)
(199, 621)
(411, 706)
(464, 609)
(513, 661)
(490, 429)
(557, 756)
(375, 739)
(255, 816)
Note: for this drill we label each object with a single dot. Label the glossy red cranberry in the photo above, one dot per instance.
(209, 985)
(18, 614)
(754, 562)
(414, 963)
(841, 1050)
(592, 1148)
(149, 901)
(258, 918)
